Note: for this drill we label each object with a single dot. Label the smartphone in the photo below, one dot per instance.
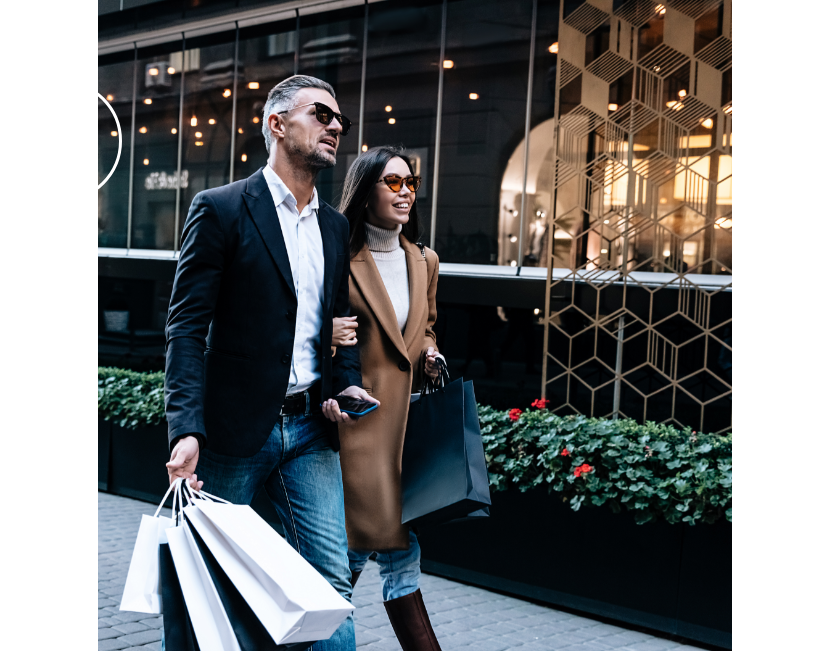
(355, 407)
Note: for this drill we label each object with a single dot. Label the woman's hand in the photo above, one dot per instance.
(430, 365)
(344, 332)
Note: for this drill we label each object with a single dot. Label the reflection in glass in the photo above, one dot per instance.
(481, 183)
(266, 57)
(115, 82)
(402, 87)
(207, 122)
(157, 147)
(331, 49)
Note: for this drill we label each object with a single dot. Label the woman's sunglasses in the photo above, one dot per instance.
(395, 182)
(326, 114)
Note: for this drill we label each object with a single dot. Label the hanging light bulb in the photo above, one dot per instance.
(211, 121)
(554, 48)
(244, 157)
(365, 148)
(226, 92)
(193, 121)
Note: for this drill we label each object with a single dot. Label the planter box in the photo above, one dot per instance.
(104, 439)
(671, 578)
(132, 464)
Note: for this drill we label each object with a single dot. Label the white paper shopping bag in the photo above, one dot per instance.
(207, 614)
(142, 593)
(291, 599)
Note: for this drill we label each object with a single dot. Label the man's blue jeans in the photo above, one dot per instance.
(399, 570)
(301, 475)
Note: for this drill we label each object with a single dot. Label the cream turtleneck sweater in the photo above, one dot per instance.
(390, 259)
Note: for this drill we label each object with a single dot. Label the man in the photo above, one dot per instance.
(264, 268)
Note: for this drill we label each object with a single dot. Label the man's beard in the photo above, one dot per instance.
(314, 160)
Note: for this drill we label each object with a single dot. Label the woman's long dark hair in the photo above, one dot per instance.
(361, 179)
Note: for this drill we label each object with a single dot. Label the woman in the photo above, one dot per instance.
(392, 295)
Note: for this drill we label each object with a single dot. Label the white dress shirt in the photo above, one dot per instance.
(304, 244)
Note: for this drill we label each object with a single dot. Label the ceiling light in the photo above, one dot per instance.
(728, 109)
(515, 213)
(146, 161)
(473, 95)
(682, 93)
(607, 221)
(656, 68)
(537, 311)
(554, 48)
(391, 120)
(660, 9)
(365, 148)
(110, 98)
(513, 238)
(193, 121)
(253, 85)
(666, 253)
(708, 123)
(613, 107)
(671, 103)
(448, 63)
(199, 143)
(388, 109)
(513, 263)
(240, 130)
(226, 92)
(211, 121)
(114, 134)
(664, 200)
(723, 222)
(143, 130)
(174, 131)
(603, 250)
(244, 157)
(148, 101)
(171, 70)
(256, 120)
(198, 134)
(153, 72)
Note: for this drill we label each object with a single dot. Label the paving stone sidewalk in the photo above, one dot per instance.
(463, 616)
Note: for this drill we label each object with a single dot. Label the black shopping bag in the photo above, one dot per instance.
(249, 631)
(444, 474)
(178, 631)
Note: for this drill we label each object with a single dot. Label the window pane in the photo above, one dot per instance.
(157, 147)
(206, 121)
(539, 201)
(115, 82)
(331, 49)
(483, 126)
(402, 88)
(266, 57)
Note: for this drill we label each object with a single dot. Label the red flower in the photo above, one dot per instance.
(565, 453)
(540, 403)
(578, 471)
(585, 468)
(514, 414)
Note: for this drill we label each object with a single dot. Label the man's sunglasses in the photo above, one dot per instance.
(326, 114)
(395, 182)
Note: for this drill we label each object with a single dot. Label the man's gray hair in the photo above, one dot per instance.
(281, 98)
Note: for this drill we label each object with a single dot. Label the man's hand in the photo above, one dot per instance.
(331, 409)
(183, 461)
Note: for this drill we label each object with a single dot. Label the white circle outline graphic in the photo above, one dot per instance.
(3, 140)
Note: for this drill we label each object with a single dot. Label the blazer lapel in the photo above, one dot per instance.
(260, 204)
(327, 228)
(416, 267)
(365, 273)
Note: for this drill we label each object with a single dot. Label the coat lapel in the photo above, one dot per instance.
(365, 273)
(327, 232)
(416, 267)
(261, 206)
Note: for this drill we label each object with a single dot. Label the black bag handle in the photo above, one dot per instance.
(429, 385)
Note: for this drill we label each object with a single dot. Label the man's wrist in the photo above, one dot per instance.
(200, 439)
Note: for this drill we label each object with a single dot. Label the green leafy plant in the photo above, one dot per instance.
(129, 398)
(654, 471)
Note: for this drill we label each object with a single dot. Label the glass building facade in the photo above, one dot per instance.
(545, 137)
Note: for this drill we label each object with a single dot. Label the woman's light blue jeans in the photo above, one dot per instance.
(400, 570)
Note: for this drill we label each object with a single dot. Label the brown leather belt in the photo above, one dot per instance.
(303, 402)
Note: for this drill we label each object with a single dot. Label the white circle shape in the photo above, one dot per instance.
(781, 461)
(52, 82)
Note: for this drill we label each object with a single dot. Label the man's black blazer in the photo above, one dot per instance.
(230, 327)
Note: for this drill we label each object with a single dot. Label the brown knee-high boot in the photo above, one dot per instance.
(411, 623)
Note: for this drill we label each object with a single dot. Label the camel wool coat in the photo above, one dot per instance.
(392, 365)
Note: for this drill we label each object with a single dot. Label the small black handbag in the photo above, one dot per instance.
(444, 472)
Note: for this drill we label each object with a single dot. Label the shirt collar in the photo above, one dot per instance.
(281, 193)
